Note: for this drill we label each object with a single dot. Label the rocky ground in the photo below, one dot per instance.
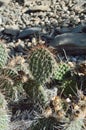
(57, 23)
(24, 23)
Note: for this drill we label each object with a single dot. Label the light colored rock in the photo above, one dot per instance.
(41, 8)
(0, 20)
(5, 1)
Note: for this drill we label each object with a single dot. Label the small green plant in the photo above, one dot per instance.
(62, 71)
(4, 118)
(67, 79)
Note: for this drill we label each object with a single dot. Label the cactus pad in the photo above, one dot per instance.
(41, 64)
(9, 79)
(75, 125)
(4, 119)
(61, 71)
(35, 91)
(3, 56)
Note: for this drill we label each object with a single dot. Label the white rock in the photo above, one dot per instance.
(0, 20)
(5, 1)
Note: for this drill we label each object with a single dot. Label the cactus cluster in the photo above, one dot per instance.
(41, 68)
(4, 118)
(61, 117)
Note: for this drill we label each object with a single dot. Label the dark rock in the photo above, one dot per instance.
(21, 2)
(79, 29)
(77, 39)
(27, 32)
(84, 29)
(13, 32)
(72, 43)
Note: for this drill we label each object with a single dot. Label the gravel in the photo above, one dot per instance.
(28, 20)
(37, 13)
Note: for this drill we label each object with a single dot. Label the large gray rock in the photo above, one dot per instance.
(72, 43)
(29, 31)
(78, 39)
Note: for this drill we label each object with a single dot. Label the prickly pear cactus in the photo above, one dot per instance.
(9, 80)
(69, 87)
(4, 118)
(3, 56)
(61, 71)
(44, 123)
(75, 125)
(49, 123)
(31, 88)
(18, 62)
(35, 91)
(41, 64)
(8, 77)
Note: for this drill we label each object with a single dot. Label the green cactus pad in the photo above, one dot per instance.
(69, 87)
(4, 118)
(3, 55)
(41, 65)
(35, 92)
(76, 125)
(49, 123)
(8, 77)
(61, 71)
(31, 88)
